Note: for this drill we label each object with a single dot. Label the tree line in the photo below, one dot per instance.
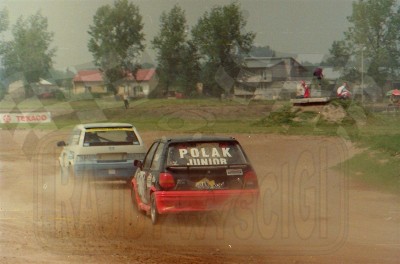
(215, 45)
(369, 52)
(211, 52)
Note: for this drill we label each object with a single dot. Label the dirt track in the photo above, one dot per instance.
(307, 212)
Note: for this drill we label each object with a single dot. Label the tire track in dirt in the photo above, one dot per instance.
(39, 220)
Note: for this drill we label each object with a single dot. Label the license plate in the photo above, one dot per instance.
(111, 156)
(111, 171)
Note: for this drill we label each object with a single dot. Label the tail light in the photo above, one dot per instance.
(166, 180)
(250, 179)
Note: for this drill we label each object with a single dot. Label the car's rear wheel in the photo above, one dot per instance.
(155, 216)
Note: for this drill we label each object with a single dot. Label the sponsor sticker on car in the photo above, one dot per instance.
(234, 172)
(205, 156)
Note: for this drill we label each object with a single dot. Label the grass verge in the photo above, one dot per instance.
(376, 168)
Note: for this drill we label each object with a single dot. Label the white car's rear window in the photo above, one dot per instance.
(110, 136)
(205, 154)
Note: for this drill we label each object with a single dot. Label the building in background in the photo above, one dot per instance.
(92, 81)
(269, 77)
(140, 85)
(88, 81)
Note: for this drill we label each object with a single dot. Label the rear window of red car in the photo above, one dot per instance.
(205, 154)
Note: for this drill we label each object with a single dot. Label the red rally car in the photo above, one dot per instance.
(188, 174)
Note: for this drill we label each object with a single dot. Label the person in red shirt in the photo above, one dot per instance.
(303, 90)
(307, 91)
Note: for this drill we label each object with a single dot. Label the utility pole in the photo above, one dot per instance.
(362, 75)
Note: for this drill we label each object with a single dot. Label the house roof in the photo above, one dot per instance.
(313, 58)
(88, 76)
(96, 75)
(142, 75)
(265, 62)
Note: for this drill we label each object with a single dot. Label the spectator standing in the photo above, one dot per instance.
(318, 74)
(307, 91)
(126, 100)
(342, 91)
(302, 90)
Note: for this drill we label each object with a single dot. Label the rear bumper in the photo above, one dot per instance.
(192, 201)
(111, 171)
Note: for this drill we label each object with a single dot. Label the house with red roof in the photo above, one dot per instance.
(89, 81)
(140, 85)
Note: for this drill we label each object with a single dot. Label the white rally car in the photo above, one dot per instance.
(106, 150)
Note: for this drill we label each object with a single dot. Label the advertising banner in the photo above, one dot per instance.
(36, 117)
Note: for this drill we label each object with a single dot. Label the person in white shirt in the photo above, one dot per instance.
(300, 90)
(343, 92)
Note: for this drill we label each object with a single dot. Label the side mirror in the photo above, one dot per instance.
(138, 163)
(61, 144)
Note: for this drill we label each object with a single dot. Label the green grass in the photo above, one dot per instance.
(378, 169)
(389, 143)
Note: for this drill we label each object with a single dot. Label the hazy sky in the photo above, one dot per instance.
(289, 26)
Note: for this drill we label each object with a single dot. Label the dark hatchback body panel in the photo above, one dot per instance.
(194, 174)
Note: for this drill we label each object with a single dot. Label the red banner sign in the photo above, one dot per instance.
(43, 117)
